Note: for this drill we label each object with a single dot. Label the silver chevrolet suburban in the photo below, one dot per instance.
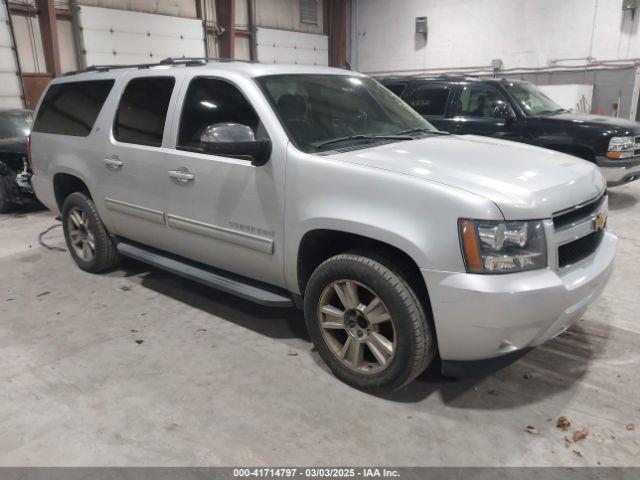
(317, 187)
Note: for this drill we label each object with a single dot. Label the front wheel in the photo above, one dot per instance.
(367, 323)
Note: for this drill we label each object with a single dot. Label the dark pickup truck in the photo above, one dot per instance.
(519, 111)
(15, 176)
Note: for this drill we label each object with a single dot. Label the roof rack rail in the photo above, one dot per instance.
(428, 76)
(456, 76)
(187, 61)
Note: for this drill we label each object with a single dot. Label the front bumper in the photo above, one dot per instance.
(479, 317)
(619, 172)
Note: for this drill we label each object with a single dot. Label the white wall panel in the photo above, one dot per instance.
(282, 46)
(469, 33)
(110, 36)
(285, 15)
(9, 81)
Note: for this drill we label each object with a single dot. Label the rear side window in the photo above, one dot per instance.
(479, 101)
(430, 99)
(72, 108)
(396, 88)
(210, 101)
(143, 110)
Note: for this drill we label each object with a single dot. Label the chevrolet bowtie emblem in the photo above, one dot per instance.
(600, 221)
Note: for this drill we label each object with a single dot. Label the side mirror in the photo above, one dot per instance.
(235, 140)
(502, 111)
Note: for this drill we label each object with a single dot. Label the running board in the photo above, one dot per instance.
(242, 287)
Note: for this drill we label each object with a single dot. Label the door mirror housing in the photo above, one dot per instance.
(235, 140)
(502, 111)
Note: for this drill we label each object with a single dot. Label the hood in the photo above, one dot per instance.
(620, 126)
(525, 182)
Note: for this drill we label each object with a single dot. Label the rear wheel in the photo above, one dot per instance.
(367, 323)
(87, 238)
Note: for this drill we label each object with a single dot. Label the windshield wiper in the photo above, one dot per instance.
(553, 112)
(364, 137)
(422, 130)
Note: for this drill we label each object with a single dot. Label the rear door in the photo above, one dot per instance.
(431, 100)
(475, 111)
(134, 164)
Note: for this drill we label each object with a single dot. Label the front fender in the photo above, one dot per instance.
(416, 216)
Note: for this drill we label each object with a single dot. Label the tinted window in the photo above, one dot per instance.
(479, 101)
(430, 99)
(210, 101)
(531, 99)
(396, 88)
(72, 108)
(324, 112)
(143, 110)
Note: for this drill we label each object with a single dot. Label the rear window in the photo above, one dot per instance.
(72, 108)
(143, 110)
(430, 99)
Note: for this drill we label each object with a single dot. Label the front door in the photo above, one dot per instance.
(224, 211)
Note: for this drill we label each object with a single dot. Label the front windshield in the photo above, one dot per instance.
(531, 99)
(325, 112)
(15, 124)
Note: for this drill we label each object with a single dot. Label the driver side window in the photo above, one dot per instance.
(479, 101)
(210, 101)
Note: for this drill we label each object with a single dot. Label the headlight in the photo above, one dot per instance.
(621, 147)
(491, 246)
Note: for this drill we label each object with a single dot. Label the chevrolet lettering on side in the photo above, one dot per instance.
(317, 187)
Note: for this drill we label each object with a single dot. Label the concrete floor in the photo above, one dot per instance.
(139, 367)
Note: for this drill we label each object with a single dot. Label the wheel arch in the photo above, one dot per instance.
(65, 183)
(319, 244)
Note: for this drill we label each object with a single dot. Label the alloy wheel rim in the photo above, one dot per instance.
(82, 238)
(356, 326)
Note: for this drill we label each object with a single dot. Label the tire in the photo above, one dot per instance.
(410, 342)
(5, 203)
(104, 255)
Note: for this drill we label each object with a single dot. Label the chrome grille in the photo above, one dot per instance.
(575, 233)
(574, 215)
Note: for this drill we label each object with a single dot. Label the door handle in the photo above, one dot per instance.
(182, 175)
(112, 162)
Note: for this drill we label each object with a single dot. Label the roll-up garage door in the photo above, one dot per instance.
(283, 46)
(10, 91)
(117, 37)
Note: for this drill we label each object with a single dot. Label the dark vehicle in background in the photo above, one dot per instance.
(15, 174)
(517, 110)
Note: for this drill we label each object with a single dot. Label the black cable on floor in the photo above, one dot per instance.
(50, 247)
